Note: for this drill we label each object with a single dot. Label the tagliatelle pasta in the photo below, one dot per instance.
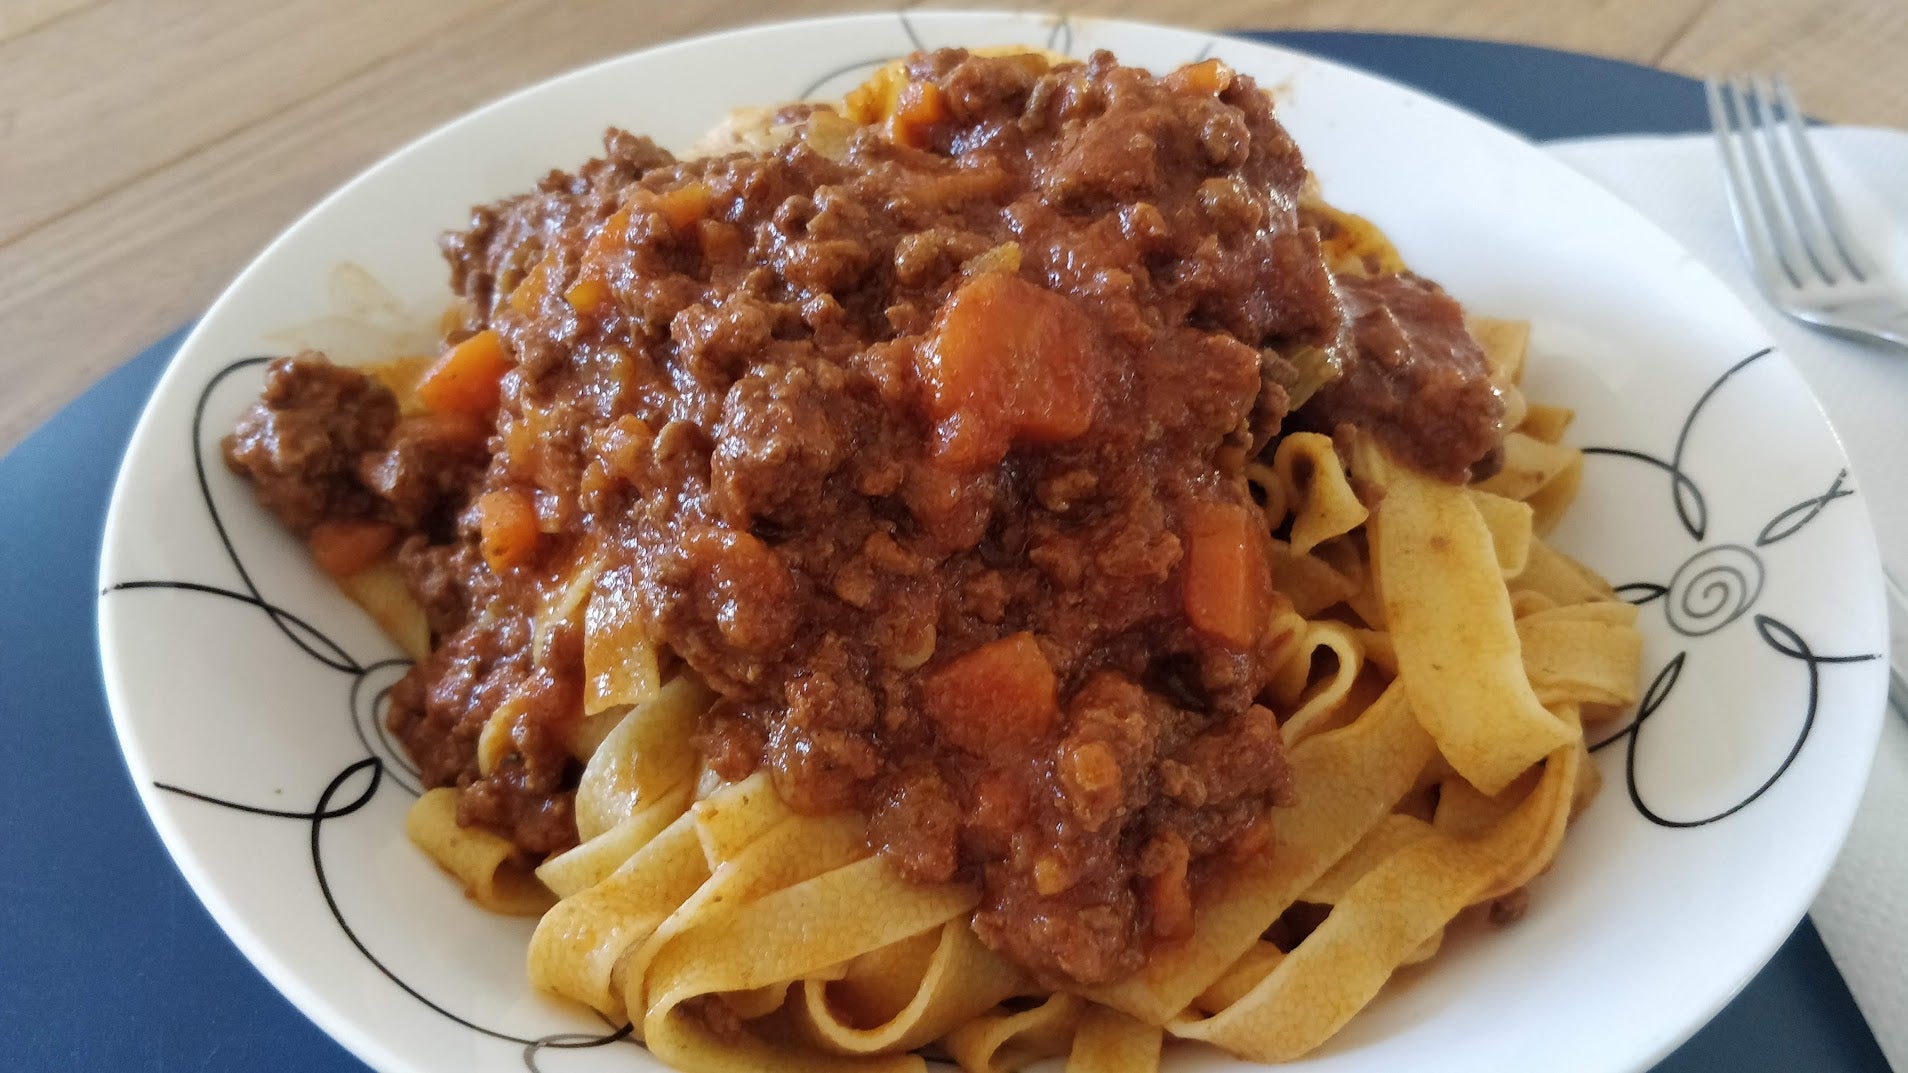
(643, 894)
(1463, 672)
(488, 866)
(1340, 847)
(644, 909)
(1011, 752)
(1312, 480)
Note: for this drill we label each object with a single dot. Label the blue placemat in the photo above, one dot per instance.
(108, 961)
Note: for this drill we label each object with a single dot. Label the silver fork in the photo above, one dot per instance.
(1801, 250)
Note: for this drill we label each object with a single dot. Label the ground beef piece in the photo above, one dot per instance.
(506, 239)
(729, 743)
(438, 712)
(1088, 929)
(1104, 760)
(780, 438)
(535, 812)
(529, 795)
(1510, 908)
(1238, 759)
(428, 471)
(917, 826)
(466, 677)
(820, 752)
(299, 444)
(448, 580)
(1416, 378)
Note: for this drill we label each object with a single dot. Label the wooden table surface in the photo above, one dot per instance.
(148, 148)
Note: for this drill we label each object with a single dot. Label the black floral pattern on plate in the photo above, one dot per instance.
(357, 783)
(1715, 586)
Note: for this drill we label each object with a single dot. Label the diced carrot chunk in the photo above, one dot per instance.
(507, 526)
(614, 234)
(1210, 77)
(919, 106)
(605, 246)
(1007, 360)
(1228, 577)
(588, 296)
(531, 289)
(344, 547)
(1001, 694)
(1168, 891)
(684, 206)
(468, 378)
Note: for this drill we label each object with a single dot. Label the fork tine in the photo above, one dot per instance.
(1750, 225)
(1781, 229)
(1826, 206)
(1812, 236)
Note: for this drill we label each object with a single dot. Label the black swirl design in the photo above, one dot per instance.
(357, 783)
(1691, 508)
(1713, 587)
(1785, 642)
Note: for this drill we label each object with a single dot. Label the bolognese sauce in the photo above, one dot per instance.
(921, 439)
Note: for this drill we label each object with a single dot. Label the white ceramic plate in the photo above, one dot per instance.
(236, 674)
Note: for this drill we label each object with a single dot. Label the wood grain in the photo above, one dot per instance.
(1844, 56)
(20, 17)
(148, 148)
(122, 90)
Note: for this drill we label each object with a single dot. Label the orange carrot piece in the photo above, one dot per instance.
(919, 106)
(469, 377)
(613, 235)
(507, 524)
(588, 296)
(1210, 77)
(1228, 578)
(530, 290)
(608, 243)
(347, 546)
(1169, 892)
(686, 205)
(1000, 694)
(1007, 360)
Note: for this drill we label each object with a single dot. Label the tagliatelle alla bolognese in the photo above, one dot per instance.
(994, 569)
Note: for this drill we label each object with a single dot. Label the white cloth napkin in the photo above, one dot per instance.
(1862, 911)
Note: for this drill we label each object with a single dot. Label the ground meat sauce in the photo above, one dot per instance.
(1415, 377)
(302, 441)
(923, 444)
